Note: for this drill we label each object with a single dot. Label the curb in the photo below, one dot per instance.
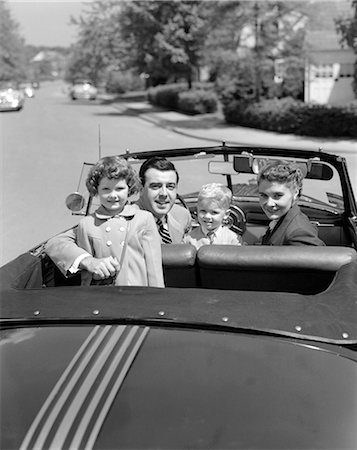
(176, 130)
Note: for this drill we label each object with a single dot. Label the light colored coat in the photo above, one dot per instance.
(142, 263)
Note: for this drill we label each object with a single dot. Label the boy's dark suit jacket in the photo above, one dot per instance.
(292, 229)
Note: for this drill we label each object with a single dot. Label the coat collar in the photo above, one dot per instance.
(128, 212)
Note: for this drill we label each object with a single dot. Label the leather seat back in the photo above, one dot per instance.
(305, 270)
(179, 264)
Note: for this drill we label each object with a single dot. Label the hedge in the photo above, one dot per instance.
(197, 102)
(292, 116)
(201, 99)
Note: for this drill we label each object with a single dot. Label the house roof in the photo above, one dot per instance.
(321, 33)
(323, 40)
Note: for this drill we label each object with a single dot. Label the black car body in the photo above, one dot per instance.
(247, 347)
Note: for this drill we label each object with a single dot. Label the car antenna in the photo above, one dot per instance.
(99, 142)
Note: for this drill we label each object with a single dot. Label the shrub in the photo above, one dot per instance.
(166, 95)
(292, 116)
(121, 82)
(197, 102)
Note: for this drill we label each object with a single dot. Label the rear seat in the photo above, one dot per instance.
(179, 263)
(304, 270)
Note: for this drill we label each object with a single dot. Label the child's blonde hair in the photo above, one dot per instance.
(216, 191)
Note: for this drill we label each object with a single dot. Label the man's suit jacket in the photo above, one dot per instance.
(178, 222)
(293, 229)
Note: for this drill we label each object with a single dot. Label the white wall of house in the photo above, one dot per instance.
(329, 77)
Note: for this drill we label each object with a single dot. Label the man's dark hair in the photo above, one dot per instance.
(158, 163)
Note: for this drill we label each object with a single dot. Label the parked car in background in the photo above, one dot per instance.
(83, 89)
(247, 347)
(11, 98)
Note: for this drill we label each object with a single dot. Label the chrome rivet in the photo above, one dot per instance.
(36, 313)
(345, 335)
(107, 229)
(298, 328)
(96, 312)
(161, 313)
(224, 319)
(109, 243)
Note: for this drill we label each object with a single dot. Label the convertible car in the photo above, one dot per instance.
(248, 347)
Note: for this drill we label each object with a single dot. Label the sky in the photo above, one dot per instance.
(46, 22)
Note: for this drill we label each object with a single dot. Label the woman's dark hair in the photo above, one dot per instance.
(112, 167)
(158, 163)
(282, 172)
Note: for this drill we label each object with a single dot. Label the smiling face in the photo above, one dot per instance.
(159, 191)
(210, 214)
(276, 198)
(113, 194)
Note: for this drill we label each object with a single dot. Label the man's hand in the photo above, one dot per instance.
(100, 268)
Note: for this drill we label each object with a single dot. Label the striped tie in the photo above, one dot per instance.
(165, 235)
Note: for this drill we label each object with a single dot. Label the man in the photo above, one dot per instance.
(159, 178)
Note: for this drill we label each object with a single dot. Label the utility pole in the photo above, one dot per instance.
(257, 51)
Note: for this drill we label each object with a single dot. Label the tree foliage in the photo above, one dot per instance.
(168, 41)
(12, 47)
(99, 42)
(347, 27)
(164, 37)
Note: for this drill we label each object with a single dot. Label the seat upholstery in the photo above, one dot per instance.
(305, 270)
(179, 264)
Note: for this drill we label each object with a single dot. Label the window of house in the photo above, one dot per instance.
(322, 70)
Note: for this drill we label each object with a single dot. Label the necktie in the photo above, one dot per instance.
(211, 236)
(165, 235)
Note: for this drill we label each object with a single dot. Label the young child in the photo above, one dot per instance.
(214, 200)
(119, 229)
(280, 185)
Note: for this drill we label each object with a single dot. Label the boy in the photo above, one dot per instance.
(213, 202)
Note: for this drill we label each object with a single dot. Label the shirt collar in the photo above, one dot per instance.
(128, 212)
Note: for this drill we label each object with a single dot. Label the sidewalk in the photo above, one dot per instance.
(213, 128)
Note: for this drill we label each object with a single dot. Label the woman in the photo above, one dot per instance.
(280, 185)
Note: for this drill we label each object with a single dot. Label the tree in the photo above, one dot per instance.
(99, 43)
(347, 27)
(12, 47)
(258, 34)
(164, 38)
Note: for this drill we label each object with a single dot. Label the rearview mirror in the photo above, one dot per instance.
(75, 201)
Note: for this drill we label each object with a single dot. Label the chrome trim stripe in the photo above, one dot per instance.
(140, 337)
(86, 384)
(87, 388)
(60, 383)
